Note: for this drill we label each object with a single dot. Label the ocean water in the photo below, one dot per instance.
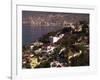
(33, 33)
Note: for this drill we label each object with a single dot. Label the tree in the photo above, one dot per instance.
(45, 38)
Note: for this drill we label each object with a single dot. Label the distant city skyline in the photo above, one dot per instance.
(36, 18)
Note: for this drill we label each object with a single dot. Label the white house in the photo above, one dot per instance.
(38, 51)
(37, 43)
(50, 49)
(31, 47)
(54, 39)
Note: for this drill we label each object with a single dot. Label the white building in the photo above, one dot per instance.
(38, 51)
(54, 39)
(31, 47)
(37, 43)
(50, 49)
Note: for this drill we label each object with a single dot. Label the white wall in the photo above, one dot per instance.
(5, 32)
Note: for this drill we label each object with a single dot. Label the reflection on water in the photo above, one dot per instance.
(30, 33)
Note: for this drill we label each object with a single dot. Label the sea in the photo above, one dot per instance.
(33, 33)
